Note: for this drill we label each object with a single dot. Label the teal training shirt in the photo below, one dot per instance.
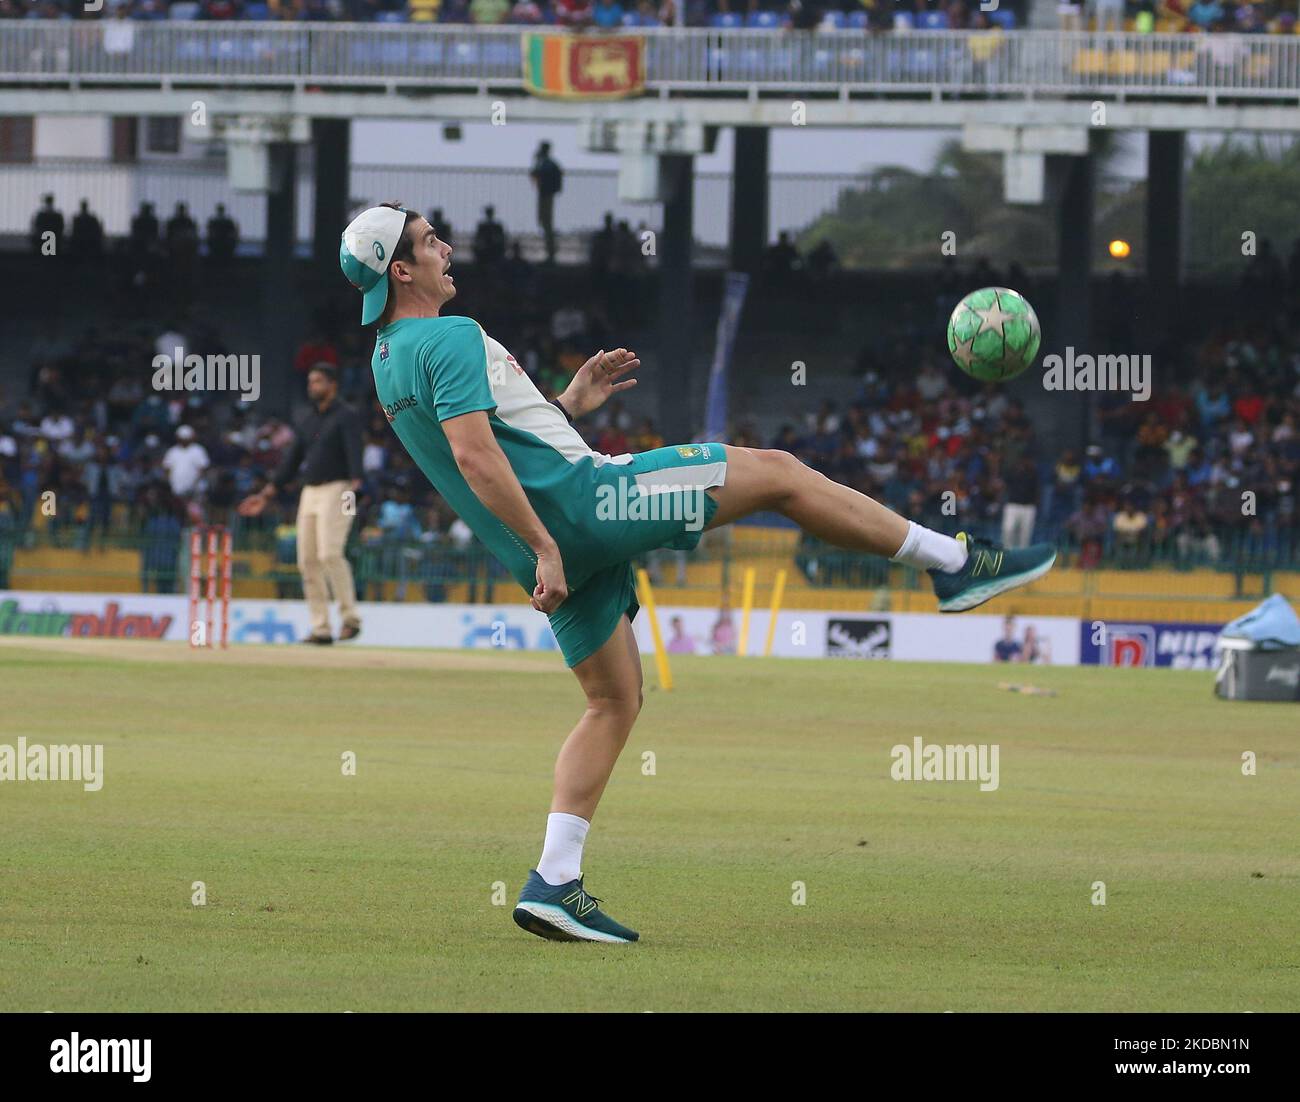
(428, 370)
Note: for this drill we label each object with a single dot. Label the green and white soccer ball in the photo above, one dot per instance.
(993, 334)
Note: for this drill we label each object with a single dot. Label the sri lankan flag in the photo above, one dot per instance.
(579, 66)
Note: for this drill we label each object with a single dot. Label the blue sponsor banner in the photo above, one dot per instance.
(1138, 643)
(715, 407)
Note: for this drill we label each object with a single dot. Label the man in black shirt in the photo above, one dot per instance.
(327, 447)
(1020, 510)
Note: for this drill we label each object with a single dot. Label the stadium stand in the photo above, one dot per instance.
(1169, 16)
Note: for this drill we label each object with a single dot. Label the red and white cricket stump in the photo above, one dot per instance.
(220, 548)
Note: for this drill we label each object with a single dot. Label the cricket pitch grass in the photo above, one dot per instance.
(752, 833)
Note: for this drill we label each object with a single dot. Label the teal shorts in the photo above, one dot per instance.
(653, 500)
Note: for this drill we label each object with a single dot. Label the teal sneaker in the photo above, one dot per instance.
(566, 913)
(989, 570)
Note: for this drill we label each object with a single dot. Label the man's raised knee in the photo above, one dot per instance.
(781, 472)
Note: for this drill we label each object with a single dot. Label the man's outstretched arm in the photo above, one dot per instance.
(489, 474)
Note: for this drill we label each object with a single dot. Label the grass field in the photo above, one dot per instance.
(375, 891)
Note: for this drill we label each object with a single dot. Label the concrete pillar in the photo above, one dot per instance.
(1166, 218)
(282, 311)
(1073, 326)
(332, 140)
(673, 377)
(749, 198)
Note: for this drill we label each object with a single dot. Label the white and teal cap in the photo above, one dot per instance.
(365, 252)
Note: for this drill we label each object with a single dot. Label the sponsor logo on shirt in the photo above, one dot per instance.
(383, 350)
(394, 408)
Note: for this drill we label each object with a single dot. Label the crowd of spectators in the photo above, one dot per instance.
(1205, 472)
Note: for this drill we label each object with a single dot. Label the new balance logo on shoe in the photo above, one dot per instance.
(581, 901)
(988, 563)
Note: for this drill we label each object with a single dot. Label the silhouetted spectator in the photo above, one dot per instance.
(601, 254)
(47, 228)
(782, 258)
(489, 239)
(182, 234)
(823, 260)
(87, 238)
(223, 235)
(441, 227)
(144, 230)
(548, 179)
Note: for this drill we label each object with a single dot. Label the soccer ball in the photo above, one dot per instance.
(993, 334)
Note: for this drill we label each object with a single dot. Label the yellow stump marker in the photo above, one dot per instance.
(746, 607)
(661, 653)
(778, 591)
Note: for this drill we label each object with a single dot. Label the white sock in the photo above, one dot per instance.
(930, 550)
(561, 859)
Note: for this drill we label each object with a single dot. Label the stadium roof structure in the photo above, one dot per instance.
(1023, 94)
(713, 77)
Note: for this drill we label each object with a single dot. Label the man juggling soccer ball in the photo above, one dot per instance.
(517, 472)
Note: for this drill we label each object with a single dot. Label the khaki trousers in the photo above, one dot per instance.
(323, 527)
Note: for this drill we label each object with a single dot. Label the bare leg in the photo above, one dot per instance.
(611, 678)
(775, 480)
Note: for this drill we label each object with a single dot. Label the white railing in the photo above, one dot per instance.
(367, 55)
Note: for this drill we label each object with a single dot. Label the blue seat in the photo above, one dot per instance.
(390, 17)
(763, 20)
(631, 19)
(934, 21)
(726, 21)
(496, 52)
(465, 53)
(257, 12)
(362, 54)
(183, 12)
(1003, 18)
(858, 20)
(191, 49)
(833, 21)
(427, 52)
(903, 21)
